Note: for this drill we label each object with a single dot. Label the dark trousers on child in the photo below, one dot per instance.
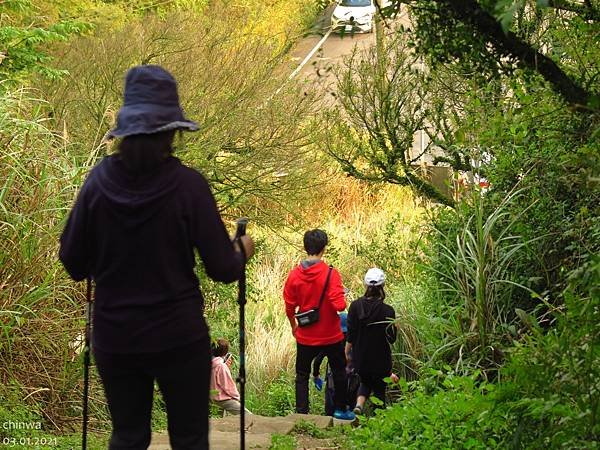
(337, 361)
(183, 376)
(372, 383)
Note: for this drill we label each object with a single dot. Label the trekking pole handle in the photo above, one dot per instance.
(241, 227)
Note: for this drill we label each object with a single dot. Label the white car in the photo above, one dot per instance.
(355, 15)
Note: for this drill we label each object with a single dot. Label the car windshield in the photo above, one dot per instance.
(356, 3)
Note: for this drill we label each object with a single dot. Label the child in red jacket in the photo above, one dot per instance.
(313, 285)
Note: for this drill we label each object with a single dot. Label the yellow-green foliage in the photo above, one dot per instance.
(114, 13)
(252, 145)
(280, 19)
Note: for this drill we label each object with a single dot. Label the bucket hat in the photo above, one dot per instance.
(374, 277)
(150, 104)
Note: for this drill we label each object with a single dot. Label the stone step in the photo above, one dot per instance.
(219, 440)
(224, 432)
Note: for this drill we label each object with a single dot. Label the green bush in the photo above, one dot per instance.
(554, 377)
(472, 258)
(459, 414)
(548, 395)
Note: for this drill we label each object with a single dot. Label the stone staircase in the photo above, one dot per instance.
(225, 435)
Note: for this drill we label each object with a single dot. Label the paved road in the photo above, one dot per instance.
(337, 46)
(333, 50)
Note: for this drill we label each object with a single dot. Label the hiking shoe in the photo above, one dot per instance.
(358, 410)
(344, 415)
(318, 383)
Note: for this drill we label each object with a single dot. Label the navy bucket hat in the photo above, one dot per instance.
(150, 104)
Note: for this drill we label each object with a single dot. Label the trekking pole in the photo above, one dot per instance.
(241, 379)
(86, 362)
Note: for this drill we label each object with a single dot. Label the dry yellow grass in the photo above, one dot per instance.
(357, 216)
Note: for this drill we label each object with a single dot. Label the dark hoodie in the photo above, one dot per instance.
(136, 235)
(370, 333)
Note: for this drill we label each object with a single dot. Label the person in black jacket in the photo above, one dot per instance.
(370, 332)
(134, 229)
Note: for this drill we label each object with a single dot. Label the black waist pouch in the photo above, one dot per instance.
(307, 317)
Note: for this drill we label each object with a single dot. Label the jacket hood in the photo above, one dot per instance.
(312, 272)
(135, 198)
(216, 361)
(368, 308)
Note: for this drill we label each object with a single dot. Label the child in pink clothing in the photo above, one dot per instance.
(224, 392)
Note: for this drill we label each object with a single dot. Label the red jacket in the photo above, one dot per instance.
(302, 292)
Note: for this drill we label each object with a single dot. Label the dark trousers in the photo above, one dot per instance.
(337, 361)
(372, 383)
(183, 376)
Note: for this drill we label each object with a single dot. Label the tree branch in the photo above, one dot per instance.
(470, 12)
(585, 10)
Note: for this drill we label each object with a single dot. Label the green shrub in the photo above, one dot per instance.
(308, 428)
(472, 259)
(554, 377)
(459, 414)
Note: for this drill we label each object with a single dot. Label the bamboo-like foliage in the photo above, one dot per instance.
(478, 274)
(40, 310)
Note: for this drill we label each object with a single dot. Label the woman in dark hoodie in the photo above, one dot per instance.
(136, 224)
(370, 332)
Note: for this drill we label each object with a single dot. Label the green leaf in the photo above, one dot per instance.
(376, 401)
(594, 102)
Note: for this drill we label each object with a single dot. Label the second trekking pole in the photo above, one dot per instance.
(86, 362)
(241, 379)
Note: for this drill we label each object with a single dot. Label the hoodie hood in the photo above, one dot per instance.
(135, 198)
(217, 361)
(368, 309)
(310, 271)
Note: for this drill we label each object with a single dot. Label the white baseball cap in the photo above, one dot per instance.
(374, 277)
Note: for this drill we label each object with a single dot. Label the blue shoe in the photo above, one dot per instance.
(344, 415)
(318, 383)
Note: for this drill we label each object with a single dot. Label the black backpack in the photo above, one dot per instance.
(353, 384)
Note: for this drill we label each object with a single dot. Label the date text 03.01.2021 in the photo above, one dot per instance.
(29, 441)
